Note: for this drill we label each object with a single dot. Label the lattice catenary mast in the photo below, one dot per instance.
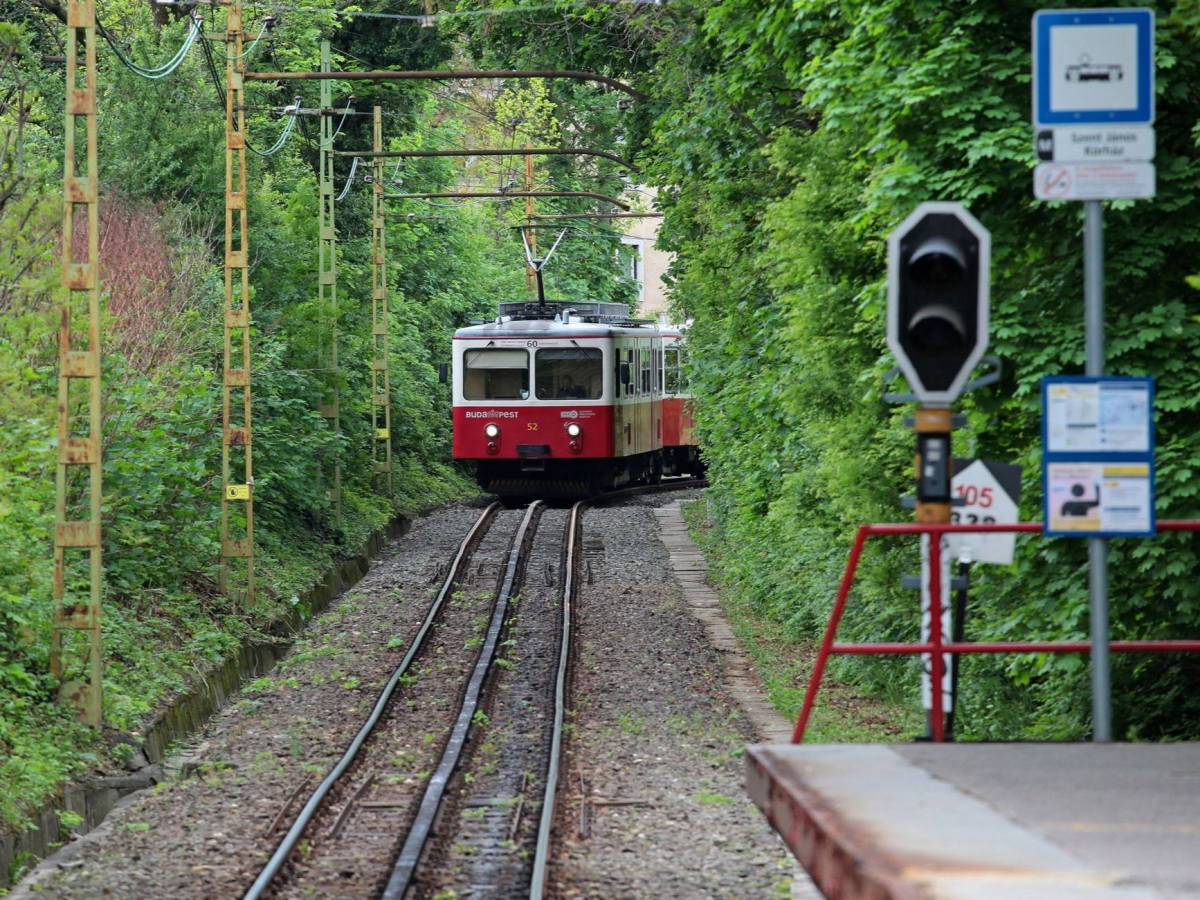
(79, 361)
(236, 438)
(327, 303)
(381, 386)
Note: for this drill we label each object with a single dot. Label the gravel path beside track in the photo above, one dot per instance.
(656, 747)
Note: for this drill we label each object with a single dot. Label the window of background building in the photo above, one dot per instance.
(634, 264)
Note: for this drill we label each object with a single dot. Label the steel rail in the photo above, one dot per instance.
(418, 834)
(447, 76)
(469, 194)
(284, 850)
(490, 151)
(541, 859)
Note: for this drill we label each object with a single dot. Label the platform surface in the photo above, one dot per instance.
(987, 821)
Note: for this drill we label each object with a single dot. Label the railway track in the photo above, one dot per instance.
(490, 828)
(468, 802)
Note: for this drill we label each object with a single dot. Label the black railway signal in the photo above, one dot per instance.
(939, 266)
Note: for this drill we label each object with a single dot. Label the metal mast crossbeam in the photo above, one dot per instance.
(381, 387)
(474, 194)
(447, 76)
(327, 305)
(73, 614)
(236, 430)
(601, 216)
(492, 151)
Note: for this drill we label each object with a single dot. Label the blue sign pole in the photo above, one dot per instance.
(1093, 67)
(1093, 305)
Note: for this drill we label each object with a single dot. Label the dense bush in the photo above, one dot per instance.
(788, 140)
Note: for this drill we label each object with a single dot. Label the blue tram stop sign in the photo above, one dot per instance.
(1093, 67)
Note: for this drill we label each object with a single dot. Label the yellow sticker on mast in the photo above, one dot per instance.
(237, 492)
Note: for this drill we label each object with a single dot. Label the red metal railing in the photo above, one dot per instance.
(935, 645)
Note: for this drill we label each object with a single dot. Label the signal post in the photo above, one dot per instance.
(939, 271)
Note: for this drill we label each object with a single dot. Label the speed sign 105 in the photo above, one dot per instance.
(988, 493)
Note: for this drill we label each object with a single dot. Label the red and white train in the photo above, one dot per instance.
(556, 399)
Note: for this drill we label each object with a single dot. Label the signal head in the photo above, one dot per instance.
(938, 281)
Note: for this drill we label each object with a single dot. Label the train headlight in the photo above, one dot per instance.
(492, 430)
(574, 430)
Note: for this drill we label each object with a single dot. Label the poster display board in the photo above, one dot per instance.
(1098, 456)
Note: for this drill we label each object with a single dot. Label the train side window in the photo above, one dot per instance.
(672, 384)
(646, 371)
(496, 374)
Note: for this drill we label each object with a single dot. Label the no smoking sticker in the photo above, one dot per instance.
(1101, 181)
(1054, 182)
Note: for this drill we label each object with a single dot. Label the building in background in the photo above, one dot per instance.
(647, 265)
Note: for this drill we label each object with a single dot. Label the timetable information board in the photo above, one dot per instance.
(1098, 456)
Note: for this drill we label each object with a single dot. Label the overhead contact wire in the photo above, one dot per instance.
(345, 113)
(254, 43)
(278, 145)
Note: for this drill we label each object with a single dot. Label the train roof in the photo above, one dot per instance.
(558, 318)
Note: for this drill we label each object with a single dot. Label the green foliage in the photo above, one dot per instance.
(162, 148)
(907, 102)
(68, 819)
(787, 140)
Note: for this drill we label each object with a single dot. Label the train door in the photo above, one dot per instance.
(646, 414)
(623, 393)
(658, 394)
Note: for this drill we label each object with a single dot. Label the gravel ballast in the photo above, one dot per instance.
(652, 802)
(205, 834)
(655, 751)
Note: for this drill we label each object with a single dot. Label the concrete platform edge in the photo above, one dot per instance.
(839, 864)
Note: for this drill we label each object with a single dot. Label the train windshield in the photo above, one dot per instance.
(496, 374)
(570, 373)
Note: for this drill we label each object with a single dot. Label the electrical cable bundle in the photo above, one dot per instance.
(166, 68)
(349, 180)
